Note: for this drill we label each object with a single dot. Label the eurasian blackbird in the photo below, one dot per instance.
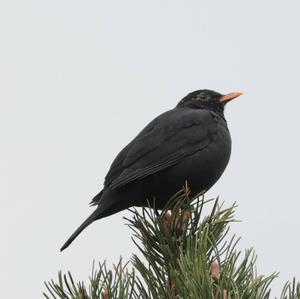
(190, 143)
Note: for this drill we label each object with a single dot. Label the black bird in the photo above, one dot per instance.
(188, 143)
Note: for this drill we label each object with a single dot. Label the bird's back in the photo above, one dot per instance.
(179, 145)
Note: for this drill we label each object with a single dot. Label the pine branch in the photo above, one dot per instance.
(104, 283)
(182, 254)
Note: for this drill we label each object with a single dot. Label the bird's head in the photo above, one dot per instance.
(207, 99)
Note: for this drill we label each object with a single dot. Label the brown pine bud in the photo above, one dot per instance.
(166, 222)
(185, 219)
(105, 294)
(215, 270)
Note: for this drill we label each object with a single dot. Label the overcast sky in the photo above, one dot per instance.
(79, 79)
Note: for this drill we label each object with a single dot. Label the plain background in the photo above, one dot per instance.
(79, 79)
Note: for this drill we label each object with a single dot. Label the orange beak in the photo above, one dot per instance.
(230, 96)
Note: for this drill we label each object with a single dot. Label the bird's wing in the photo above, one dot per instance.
(163, 143)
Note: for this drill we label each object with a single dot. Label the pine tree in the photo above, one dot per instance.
(182, 254)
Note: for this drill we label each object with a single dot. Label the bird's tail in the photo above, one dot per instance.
(95, 215)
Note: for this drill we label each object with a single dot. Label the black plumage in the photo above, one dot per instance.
(188, 143)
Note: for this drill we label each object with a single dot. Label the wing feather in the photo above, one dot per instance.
(163, 143)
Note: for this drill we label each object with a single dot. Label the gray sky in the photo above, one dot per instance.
(79, 79)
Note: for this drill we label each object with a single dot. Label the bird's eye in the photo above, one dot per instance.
(203, 97)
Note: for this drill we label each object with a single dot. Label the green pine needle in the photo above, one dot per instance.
(183, 255)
